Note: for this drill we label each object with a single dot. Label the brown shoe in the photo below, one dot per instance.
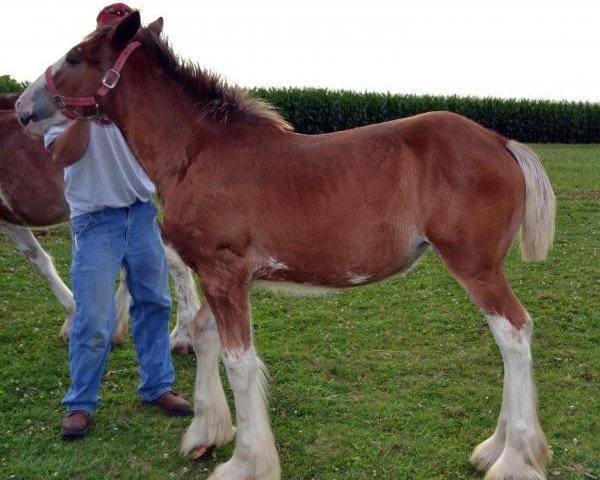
(75, 425)
(172, 404)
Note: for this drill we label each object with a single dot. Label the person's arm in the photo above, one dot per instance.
(70, 145)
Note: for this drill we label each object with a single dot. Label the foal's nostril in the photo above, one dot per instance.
(25, 118)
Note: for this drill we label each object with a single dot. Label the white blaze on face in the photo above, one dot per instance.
(58, 64)
(37, 108)
(26, 98)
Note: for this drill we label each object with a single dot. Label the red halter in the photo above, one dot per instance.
(109, 81)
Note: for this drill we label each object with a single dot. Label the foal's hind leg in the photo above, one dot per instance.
(526, 451)
(517, 450)
(42, 264)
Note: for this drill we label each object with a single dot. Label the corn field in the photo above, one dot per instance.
(315, 110)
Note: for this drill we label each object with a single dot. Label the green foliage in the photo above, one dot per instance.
(321, 110)
(397, 380)
(9, 84)
(315, 110)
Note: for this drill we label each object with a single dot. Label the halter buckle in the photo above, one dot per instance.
(60, 101)
(111, 78)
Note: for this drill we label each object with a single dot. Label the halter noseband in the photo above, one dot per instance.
(109, 81)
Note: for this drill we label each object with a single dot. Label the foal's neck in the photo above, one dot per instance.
(158, 124)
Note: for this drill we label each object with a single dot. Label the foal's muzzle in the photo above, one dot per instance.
(25, 118)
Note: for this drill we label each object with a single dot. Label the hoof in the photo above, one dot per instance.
(181, 342)
(117, 340)
(181, 349)
(200, 437)
(513, 465)
(486, 453)
(65, 328)
(120, 335)
(201, 452)
(249, 470)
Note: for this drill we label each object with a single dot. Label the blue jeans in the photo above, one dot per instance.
(102, 241)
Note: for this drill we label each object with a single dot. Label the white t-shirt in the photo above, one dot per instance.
(107, 175)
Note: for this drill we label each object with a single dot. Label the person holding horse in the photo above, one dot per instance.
(113, 223)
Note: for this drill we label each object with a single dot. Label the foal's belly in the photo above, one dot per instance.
(315, 274)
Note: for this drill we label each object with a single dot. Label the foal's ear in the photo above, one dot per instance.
(156, 26)
(126, 29)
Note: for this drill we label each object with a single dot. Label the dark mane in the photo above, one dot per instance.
(215, 97)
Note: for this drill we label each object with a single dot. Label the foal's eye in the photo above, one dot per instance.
(73, 57)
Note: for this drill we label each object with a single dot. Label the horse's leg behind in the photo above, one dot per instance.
(517, 450)
(255, 456)
(212, 426)
(187, 301)
(42, 264)
(187, 304)
(122, 303)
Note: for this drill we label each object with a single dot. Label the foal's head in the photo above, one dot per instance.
(83, 83)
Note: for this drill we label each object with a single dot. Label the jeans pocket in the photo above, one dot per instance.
(82, 224)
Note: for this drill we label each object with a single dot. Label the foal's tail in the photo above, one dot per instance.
(537, 229)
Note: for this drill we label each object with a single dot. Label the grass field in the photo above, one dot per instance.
(398, 380)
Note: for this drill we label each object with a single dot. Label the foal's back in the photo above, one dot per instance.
(406, 170)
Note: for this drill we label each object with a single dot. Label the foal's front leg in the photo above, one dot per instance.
(255, 456)
(212, 425)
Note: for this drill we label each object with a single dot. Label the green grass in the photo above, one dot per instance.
(398, 380)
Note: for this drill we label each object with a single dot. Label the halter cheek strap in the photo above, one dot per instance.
(109, 81)
(112, 75)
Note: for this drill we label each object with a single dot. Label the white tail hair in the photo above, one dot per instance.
(537, 228)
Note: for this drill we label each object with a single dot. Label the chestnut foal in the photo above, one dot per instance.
(249, 202)
(32, 195)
